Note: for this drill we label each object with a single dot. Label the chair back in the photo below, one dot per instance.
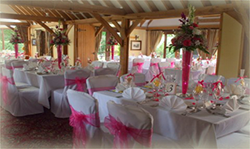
(137, 65)
(18, 64)
(105, 71)
(115, 66)
(8, 63)
(133, 122)
(164, 65)
(101, 83)
(153, 69)
(212, 78)
(97, 64)
(84, 119)
(139, 79)
(76, 79)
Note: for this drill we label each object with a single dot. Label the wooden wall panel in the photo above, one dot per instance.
(230, 49)
(86, 43)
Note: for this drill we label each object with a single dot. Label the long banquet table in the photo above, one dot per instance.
(46, 83)
(199, 129)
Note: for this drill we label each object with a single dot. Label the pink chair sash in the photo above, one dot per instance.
(96, 67)
(121, 132)
(80, 82)
(5, 82)
(172, 64)
(155, 65)
(92, 90)
(78, 120)
(139, 67)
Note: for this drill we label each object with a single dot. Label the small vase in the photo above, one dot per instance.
(186, 60)
(16, 50)
(59, 55)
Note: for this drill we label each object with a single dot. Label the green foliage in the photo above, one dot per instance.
(7, 45)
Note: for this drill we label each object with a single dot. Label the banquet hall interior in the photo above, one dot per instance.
(125, 74)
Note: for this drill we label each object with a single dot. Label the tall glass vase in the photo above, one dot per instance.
(112, 52)
(16, 50)
(59, 55)
(186, 61)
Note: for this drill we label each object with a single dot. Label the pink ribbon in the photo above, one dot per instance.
(80, 82)
(157, 76)
(5, 82)
(140, 84)
(215, 86)
(139, 67)
(13, 67)
(132, 75)
(78, 120)
(172, 64)
(96, 67)
(92, 90)
(239, 79)
(121, 132)
(201, 83)
(155, 65)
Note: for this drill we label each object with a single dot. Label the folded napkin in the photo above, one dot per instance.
(134, 93)
(234, 89)
(173, 103)
(29, 66)
(246, 100)
(231, 105)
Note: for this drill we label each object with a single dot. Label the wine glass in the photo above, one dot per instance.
(197, 94)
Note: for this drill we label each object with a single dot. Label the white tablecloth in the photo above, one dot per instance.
(197, 130)
(45, 83)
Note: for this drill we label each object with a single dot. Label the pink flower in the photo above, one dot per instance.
(191, 27)
(173, 41)
(186, 43)
(195, 25)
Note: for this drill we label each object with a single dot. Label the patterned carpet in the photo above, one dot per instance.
(36, 131)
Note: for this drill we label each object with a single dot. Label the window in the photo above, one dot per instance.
(160, 48)
(5, 35)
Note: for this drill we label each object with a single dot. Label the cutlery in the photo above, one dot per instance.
(216, 113)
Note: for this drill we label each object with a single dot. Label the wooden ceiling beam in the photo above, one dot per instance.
(68, 28)
(38, 12)
(28, 17)
(167, 4)
(99, 30)
(137, 6)
(151, 6)
(208, 20)
(10, 28)
(118, 26)
(45, 27)
(17, 11)
(133, 26)
(149, 23)
(176, 27)
(67, 6)
(108, 27)
(14, 23)
(126, 6)
(184, 3)
(142, 22)
(206, 3)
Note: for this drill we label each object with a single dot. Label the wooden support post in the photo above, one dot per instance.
(10, 27)
(165, 45)
(2, 39)
(46, 27)
(124, 53)
(99, 30)
(75, 42)
(65, 47)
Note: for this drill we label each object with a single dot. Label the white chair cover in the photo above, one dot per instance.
(171, 61)
(138, 118)
(19, 102)
(105, 71)
(100, 83)
(18, 64)
(212, 78)
(116, 66)
(153, 69)
(97, 64)
(137, 65)
(8, 63)
(84, 104)
(33, 60)
(164, 65)
(139, 79)
(74, 79)
(46, 63)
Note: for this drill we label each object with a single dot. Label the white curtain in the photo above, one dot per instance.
(153, 40)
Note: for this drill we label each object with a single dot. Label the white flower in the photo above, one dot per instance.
(197, 42)
(196, 31)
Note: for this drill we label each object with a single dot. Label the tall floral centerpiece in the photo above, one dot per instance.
(15, 39)
(189, 38)
(112, 42)
(60, 39)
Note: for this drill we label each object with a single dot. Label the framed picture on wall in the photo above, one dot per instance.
(33, 42)
(135, 44)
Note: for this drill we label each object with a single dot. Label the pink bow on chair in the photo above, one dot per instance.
(239, 79)
(201, 83)
(121, 132)
(78, 81)
(155, 65)
(216, 84)
(5, 82)
(78, 120)
(139, 65)
(132, 75)
(158, 76)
